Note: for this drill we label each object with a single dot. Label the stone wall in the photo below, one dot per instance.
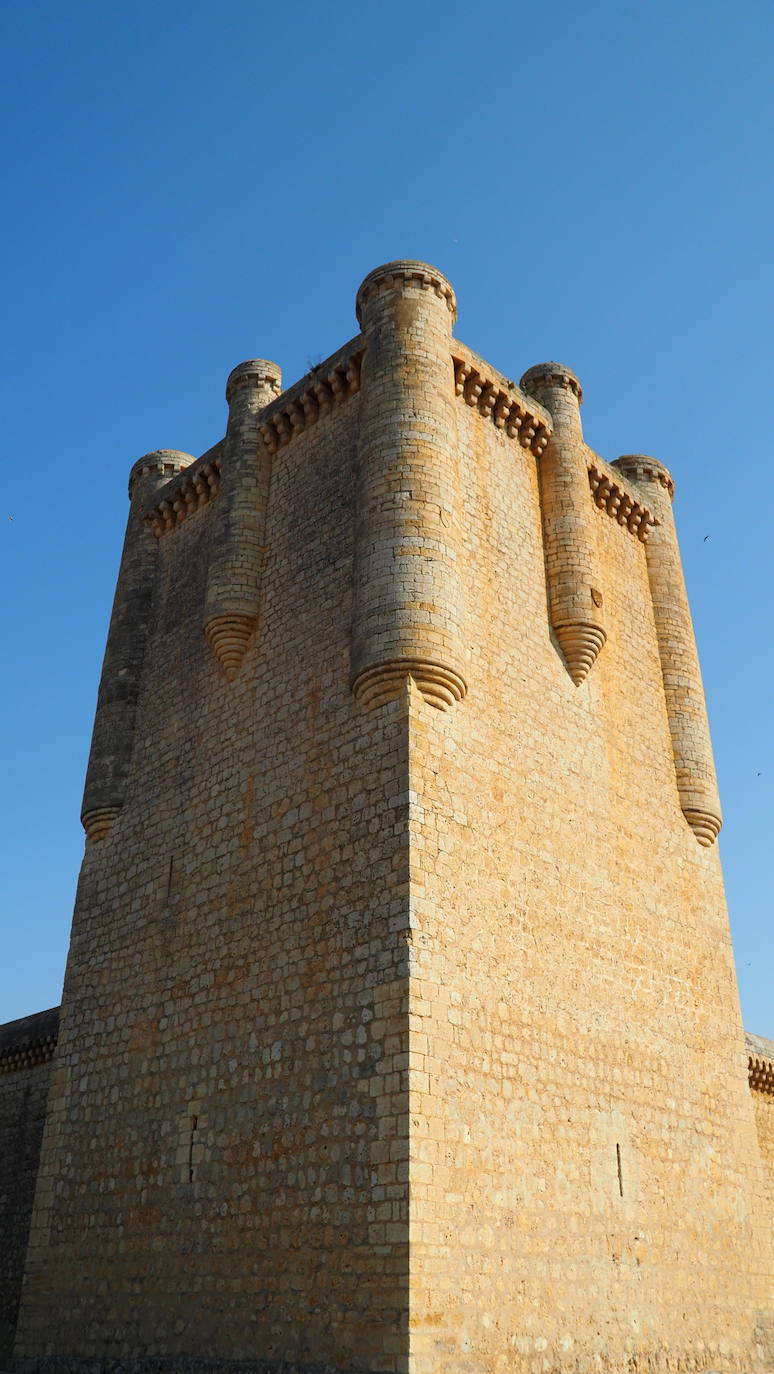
(761, 1071)
(582, 1137)
(26, 1048)
(225, 1168)
(402, 1031)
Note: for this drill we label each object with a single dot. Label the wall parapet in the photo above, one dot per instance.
(616, 498)
(321, 391)
(28, 1042)
(760, 1063)
(500, 400)
(187, 492)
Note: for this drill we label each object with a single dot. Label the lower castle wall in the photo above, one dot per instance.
(23, 1096)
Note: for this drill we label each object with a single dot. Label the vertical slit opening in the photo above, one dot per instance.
(194, 1124)
(620, 1171)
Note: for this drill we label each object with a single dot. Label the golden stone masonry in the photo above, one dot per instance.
(400, 1029)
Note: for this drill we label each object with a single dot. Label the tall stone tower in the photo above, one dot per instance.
(400, 1028)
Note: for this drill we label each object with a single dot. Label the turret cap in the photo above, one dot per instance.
(543, 375)
(164, 462)
(641, 467)
(256, 372)
(401, 276)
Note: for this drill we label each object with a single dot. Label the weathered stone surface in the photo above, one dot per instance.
(401, 1038)
(26, 1048)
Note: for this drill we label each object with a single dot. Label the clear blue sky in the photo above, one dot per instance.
(191, 184)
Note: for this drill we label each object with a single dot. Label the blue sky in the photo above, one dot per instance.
(191, 184)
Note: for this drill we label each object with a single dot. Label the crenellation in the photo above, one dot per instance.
(502, 402)
(316, 395)
(400, 276)
(613, 496)
(400, 1030)
(186, 493)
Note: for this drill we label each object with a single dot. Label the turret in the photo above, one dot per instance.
(234, 577)
(572, 568)
(407, 584)
(686, 706)
(113, 735)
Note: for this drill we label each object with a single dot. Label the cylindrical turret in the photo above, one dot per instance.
(113, 735)
(686, 706)
(575, 595)
(407, 581)
(234, 577)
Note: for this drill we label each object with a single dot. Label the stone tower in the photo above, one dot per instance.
(400, 1028)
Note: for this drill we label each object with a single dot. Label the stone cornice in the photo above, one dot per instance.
(760, 1064)
(402, 274)
(500, 400)
(187, 493)
(613, 495)
(317, 394)
(27, 1043)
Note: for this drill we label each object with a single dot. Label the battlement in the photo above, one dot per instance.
(28, 1042)
(400, 1029)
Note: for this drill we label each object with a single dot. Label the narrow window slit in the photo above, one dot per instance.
(194, 1124)
(620, 1171)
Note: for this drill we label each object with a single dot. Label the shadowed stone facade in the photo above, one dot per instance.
(400, 1028)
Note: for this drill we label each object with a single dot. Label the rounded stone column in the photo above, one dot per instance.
(113, 735)
(685, 701)
(408, 604)
(234, 577)
(572, 565)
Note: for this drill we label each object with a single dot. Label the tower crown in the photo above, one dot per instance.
(400, 276)
(640, 466)
(165, 462)
(544, 375)
(257, 373)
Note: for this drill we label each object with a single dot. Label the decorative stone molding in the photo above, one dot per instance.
(316, 395)
(440, 686)
(508, 410)
(99, 822)
(28, 1043)
(29, 1057)
(619, 503)
(186, 494)
(581, 646)
(228, 637)
(704, 825)
(760, 1064)
(399, 275)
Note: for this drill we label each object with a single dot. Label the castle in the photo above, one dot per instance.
(400, 1028)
